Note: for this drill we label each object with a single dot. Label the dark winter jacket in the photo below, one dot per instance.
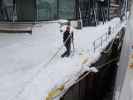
(67, 37)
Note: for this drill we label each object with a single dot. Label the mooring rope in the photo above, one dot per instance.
(57, 92)
(38, 72)
(98, 67)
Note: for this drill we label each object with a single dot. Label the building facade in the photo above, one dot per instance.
(37, 10)
(90, 11)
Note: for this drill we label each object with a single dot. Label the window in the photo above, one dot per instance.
(6, 10)
(55, 9)
(26, 10)
(67, 9)
(46, 9)
(31, 10)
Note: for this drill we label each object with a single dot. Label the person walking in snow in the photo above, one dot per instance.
(67, 40)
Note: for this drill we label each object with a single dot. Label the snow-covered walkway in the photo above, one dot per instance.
(24, 72)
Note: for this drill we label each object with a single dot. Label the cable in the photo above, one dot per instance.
(37, 73)
(46, 64)
(98, 67)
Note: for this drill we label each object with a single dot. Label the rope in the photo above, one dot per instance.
(106, 51)
(98, 67)
(46, 64)
(57, 92)
(37, 73)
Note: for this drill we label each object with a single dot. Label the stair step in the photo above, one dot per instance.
(16, 27)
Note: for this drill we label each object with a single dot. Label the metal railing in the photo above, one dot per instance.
(99, 42)
(90, 84)
(110, 34)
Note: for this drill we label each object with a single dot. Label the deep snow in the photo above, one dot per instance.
(25, 73)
